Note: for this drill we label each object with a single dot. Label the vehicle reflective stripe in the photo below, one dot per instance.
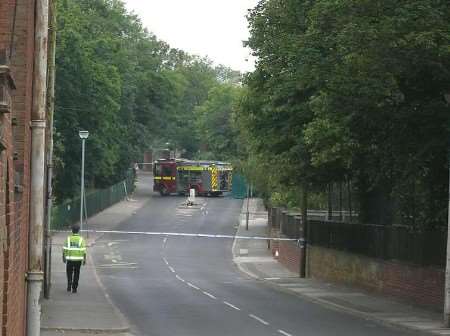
(214, 179)
(74, 258)
(165, 178)
(195, 168)
(157, 177)
(75, 253)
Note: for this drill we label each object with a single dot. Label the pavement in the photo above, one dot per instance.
(90, 311)
(255, 259)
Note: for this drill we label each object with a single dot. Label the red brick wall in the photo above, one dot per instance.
(274, 244)
(422, 285)
(14, 201)
(412, 283)
(287, 252)
(289, 255)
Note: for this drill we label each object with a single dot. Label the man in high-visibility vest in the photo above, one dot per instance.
(74, 254)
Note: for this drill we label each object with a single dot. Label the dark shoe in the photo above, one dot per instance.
(74, 290)
(68, 288)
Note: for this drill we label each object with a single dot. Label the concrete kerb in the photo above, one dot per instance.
(91, 241)
(89, 331)
(414, 330)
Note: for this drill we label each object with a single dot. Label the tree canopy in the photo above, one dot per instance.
(130, 90)
(353, 91)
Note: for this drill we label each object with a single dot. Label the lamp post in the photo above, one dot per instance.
(83, 136)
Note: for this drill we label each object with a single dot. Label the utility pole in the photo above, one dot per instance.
(35, 272)
(303, 241)
(447, 268)
(247, 214)
(50, 113)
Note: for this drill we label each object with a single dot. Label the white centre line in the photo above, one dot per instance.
(180, 278)
(258, 319)
(171, 269)
(210, 295)
(230, 305)
(193, 286)
(284, 332)
(165, 260)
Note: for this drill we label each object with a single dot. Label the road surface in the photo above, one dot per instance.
(189, 286)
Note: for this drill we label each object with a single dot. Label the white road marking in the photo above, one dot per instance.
(171, 269)
(121, 264)
(165, 260)
(193, 286)
(258, 319)
(272, 278)
(117, 267)
(180, 278)
(284, 332)
(230, 305)
(243, 251)
(210, 295)
(112, 256)
(165, 240)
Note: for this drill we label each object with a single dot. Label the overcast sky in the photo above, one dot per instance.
(213, 28)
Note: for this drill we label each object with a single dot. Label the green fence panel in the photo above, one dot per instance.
(68, 213)
(239, 187)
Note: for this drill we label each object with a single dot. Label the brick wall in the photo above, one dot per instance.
(289, 255)
(412, 283)
(14, 166)
(287, 252)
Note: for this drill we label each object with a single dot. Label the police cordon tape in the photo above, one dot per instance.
(182, 234)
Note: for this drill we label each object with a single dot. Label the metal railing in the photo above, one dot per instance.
(68, 213)
(387, 242)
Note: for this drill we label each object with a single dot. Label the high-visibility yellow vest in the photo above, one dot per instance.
(74, 248)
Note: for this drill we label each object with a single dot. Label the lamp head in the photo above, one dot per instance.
(83, 134)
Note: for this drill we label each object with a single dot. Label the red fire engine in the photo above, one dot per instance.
(178, 176)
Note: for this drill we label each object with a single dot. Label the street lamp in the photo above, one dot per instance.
(83, 136)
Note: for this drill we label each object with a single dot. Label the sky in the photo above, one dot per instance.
(213, 28)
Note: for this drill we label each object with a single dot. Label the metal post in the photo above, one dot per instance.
(82, 184)
(447, 268)
(247, 214)
(86, 217)
(303, 243)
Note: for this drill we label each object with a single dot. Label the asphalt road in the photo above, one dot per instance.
(189, 286)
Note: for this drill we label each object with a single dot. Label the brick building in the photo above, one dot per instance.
(16, 76)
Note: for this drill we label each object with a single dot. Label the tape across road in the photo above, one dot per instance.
(182, 234)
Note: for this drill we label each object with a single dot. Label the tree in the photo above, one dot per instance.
(353, 90)
(214, 123)
(126, 87)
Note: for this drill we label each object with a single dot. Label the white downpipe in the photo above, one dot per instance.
(35, 272)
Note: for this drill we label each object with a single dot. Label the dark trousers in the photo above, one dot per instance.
(73, 273)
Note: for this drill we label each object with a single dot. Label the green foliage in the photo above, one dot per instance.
(354, 91)
(214, 123)
(128, 89)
